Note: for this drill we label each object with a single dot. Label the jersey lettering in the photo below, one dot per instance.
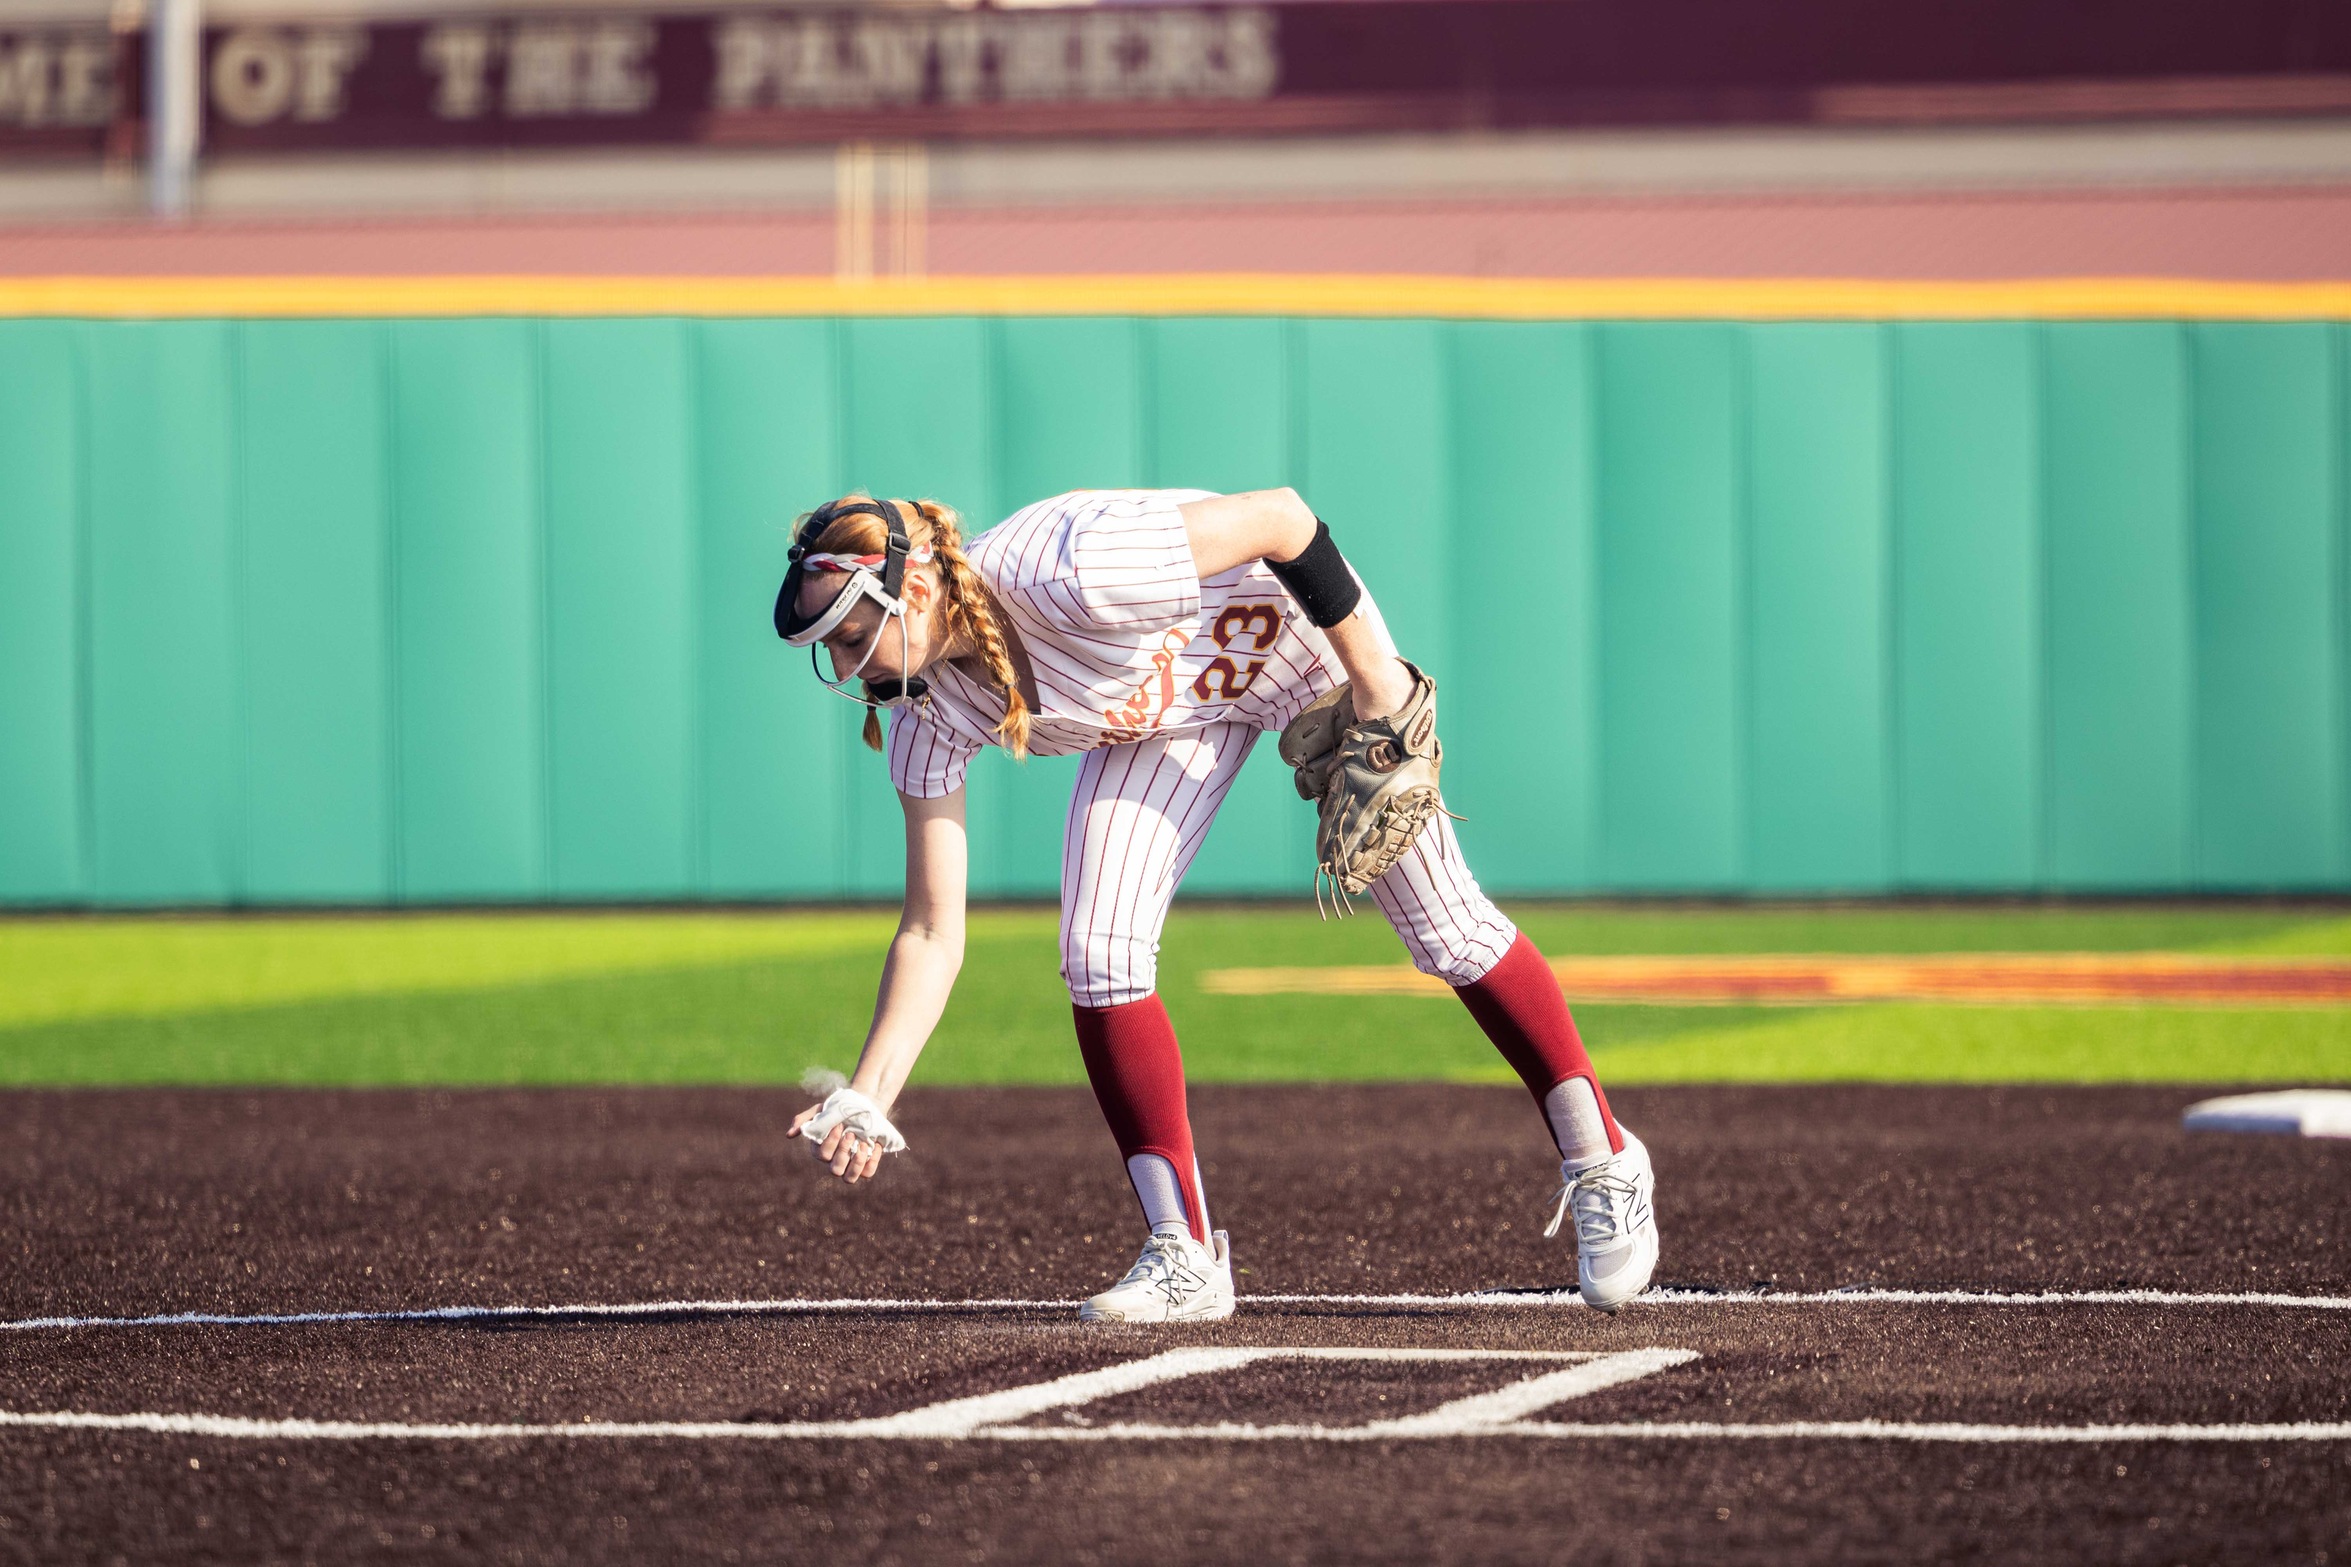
(1261, 622)
(1232, 682)
(1148, 706)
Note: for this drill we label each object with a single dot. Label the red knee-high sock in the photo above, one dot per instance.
(1138, 1075)
(1519, 1005)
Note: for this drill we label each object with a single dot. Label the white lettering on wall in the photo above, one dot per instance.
(616, 75)
(458, 55)
(323, 61)
(260, 74)
(85, 78)
(62, 77)
(962, 57)
(551, 69)
(557, 67)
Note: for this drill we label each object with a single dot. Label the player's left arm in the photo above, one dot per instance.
(1232, 530)
(1277, 527)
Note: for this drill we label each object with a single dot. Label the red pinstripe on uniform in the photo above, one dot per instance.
(1093, 580)
(1099, 585)
(1137, 818)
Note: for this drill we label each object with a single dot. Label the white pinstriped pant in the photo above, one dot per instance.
(1137, 818)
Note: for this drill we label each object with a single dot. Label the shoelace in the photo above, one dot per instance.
(1600, 1200)
(1163, 1263)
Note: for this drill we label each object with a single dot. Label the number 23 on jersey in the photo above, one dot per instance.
(1256, 626)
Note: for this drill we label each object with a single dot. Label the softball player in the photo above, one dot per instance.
(1156, 634)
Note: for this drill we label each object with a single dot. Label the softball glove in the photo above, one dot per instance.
(1373, 782)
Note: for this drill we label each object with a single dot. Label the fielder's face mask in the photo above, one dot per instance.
(887, 590)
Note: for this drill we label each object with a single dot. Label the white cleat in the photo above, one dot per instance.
(1175, 1280)
(1615, 1208)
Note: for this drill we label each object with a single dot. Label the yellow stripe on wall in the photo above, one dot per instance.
(1186, 294)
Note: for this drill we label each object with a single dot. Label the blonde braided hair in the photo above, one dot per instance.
(968, 614)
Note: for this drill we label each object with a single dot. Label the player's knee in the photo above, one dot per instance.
(1455, 966)
(1109, 971)
(1461, 954)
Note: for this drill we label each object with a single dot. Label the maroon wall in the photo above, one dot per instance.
(611, 77)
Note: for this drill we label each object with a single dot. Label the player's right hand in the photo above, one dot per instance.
(851, 1157)
(849, 1132)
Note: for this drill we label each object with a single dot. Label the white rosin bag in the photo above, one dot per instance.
(864, 1120)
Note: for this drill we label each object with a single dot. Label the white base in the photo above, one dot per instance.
(2295, 1112)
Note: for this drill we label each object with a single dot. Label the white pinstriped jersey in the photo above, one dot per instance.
(1125, 640)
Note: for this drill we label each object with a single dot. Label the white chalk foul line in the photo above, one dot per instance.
(237, 1428)
(1694, 1431)
(1546, 1299)
(1850, 1295)
(985, 1415)
(642, 1308)
(1504, 1412)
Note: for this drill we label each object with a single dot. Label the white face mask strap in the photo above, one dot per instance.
(909, 689)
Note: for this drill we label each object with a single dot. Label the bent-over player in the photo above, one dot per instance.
(1157, 633)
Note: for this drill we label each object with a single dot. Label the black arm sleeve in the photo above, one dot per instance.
(1319, 579)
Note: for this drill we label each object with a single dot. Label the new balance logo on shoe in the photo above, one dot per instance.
(1176, 1279)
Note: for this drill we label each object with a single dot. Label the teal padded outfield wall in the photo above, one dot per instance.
(426, 611)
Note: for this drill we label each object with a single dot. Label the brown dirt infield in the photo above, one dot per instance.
(127, 1203)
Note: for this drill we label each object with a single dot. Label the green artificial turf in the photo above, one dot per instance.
(762, 997)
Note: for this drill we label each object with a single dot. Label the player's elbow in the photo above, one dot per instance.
(1292, 524)
(939, 945)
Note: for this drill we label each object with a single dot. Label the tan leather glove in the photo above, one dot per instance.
(1373, 782)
